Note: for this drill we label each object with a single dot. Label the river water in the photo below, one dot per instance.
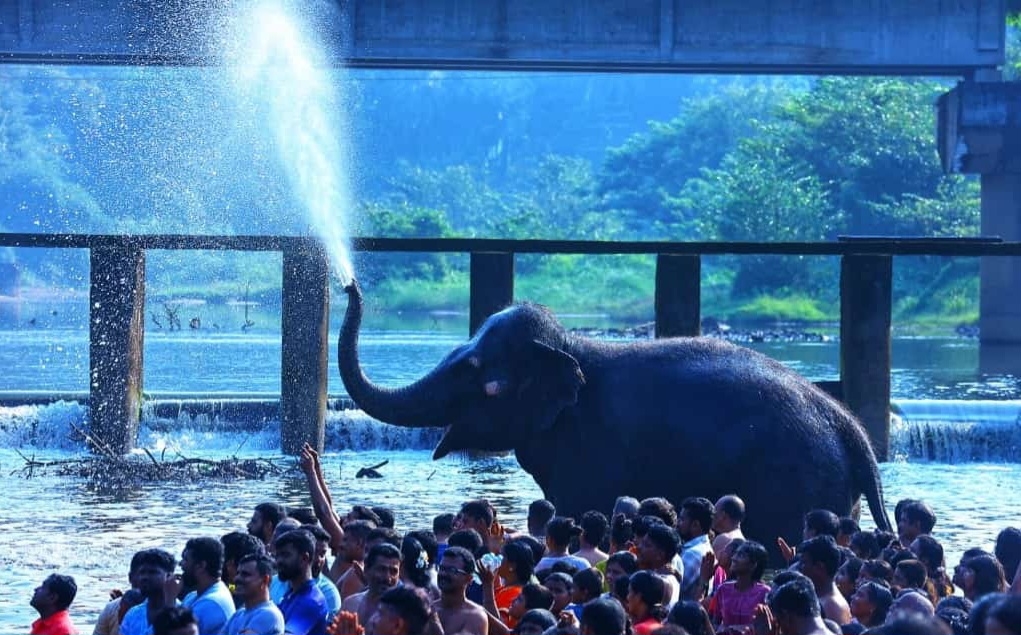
(956, 445)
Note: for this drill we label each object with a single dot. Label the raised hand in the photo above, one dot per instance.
(708, 567)
(345, 623)
(763, 622)
(786, 550)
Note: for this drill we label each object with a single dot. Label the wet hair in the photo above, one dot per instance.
(796, 597)
(537, 546)
(415, 562)
(912, 624)
(866, 545)
(364, 512)
(590, 581)
(989, 576)
(539, 617)
(877, 569)
(466, 556)
(699, 510)
(411, 605)
(659, 507)
(237, 545)
(692, 617)
(625, 560)
(537, 596)
(155, 558)
(519, 553)
(208, 551)
(382, 550)
(479, 509)
(386, 516)
(881, 598)
(359, 529)
(884, 538)
(594, 527)
(443, 524)
(915, 511)
(468, 539)
(561, 529)
(733, 507)
(427, 539)
(651, 589)
(665, 538)
(822, 522)
(172, 618)
(786, 576)
(603, 616)
(1008, 551)
(62, 586)
(758, 556)
(304, 515)
(540, 512)
(1007, 611)
(848, 526)
(302, 541)
(317, 532)
(621, 530)
(271, 512)
(384, 534)
(263, 563)
(822, 549)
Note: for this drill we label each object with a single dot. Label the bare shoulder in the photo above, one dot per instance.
(352, 602)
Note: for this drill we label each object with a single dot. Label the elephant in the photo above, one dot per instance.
(671, 417)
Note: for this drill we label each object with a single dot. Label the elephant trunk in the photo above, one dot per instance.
(417, 405)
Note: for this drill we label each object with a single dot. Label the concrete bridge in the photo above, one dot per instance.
(979, 124)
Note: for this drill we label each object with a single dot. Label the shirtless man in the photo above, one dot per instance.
(727, 516)
(820, 559)
(352, 550)
(382, 573)
(457, 613)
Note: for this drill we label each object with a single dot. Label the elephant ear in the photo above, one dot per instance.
(551, 385)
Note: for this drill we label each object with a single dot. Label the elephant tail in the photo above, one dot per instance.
(866, 469)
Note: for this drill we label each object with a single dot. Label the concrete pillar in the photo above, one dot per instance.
(116, 334)
(491, 284)
(678, 295)
(1000, 291)
(305, 326)
(866, 284)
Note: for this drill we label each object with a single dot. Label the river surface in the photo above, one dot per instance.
(90, 530)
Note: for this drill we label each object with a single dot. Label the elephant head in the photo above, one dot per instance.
(501, 389)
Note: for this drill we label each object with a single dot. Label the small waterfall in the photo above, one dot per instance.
(956, 431)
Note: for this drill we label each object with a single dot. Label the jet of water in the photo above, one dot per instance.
(277, 63)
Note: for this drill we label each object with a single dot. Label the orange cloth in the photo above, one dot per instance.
(505, 596)
(57, 624)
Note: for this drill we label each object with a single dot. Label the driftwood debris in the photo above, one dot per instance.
(371, 471)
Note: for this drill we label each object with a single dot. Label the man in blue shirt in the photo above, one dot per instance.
(155, 567)
(304, 606)
(259, 615)
(211, 602)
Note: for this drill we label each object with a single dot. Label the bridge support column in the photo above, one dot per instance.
(491, 284)
(866, 284)
(116, 334)
(678, 295)
(305, 326)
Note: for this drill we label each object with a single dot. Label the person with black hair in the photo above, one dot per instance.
(456, 612)
(693, 525)
(51, 600)
(979, 575)
(791, 609)
(304, 606)
(1008, 551)
(603, 617)
(594, 527)
(535, 622)
(645, 604)
(532, 596)
(914, 518)
(175, 620)
(258, 614)
(870, 604)
(237, 545)
(1004, 617)
(155, 568)
(656, 550)
(540, 512)
(109, 620)
(734, 602)
(382, 573)
(848, 527)
(209, 598)
(352, 552)
(820, 559)
(864, 545)
(586, 585)
(618, 565)
(692, 617)
(265, 519)
(278, 588)
(402, 611)
(416, 568)
(559, 533)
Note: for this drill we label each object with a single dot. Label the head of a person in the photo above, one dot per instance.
(622, 533)
(626, 506)
(363, 512)
(820, 558)
(155, 566)
(749, 561)
(540, 512)
(875, 570)
(864, 545)
(532, 596)
(175, 620)
(285, 525)
(560, 586)
(692, 617)
(645, 596)
(559, 532)
(1004, 616)
(379, 535)
(304, 515)
(620, 564)
(427, 539)
(457, 566)
(237, 545)
(911, 624)
(792, 603)
(468, 539)
(594, 527)
(909, 574)
(728, 513)
(322, 538)
(870, 604)
(254, 571)
(658, 546)
(848, 528)
(402, 610)
(911, 602)
(1008, 550)
(659, 507)
(979, 576)
(475, 514)
(443, 526)
(356, 534)
(914, 518)
(382, 568)
(929, 552)
(385, 515)
(55, 594)
(603, 616)
(201, 561)
(695, 518)
(415, 565)
(726, 556)
(518, 562)
(294, 551)
(535, 622)
(587, 585)
(820, 522)
(847, 576)
(264, 520)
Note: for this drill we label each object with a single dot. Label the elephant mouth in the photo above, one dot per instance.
(446, 444)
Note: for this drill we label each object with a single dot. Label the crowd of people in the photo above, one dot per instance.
(649, 567)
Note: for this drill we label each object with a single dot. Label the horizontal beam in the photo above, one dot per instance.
(973, 246)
